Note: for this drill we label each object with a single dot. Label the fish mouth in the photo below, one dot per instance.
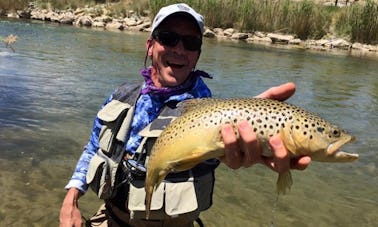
(334, 150)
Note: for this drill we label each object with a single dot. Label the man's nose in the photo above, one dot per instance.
(179, 48)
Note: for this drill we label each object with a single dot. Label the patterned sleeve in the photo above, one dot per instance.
(78, 179)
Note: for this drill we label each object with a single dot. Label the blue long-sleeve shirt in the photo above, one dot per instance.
(78, 179)
(146, 103)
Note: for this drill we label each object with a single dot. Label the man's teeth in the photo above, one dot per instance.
(174, 65)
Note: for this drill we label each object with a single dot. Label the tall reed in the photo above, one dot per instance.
(303, 18)
(359, 22)
(10, 5)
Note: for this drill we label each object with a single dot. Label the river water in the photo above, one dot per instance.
(53, 84)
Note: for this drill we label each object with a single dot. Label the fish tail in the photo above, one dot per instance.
(284, 182)
(148, 202)
(153, 180)
(149, 188)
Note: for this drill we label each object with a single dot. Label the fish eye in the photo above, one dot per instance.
(336, 133)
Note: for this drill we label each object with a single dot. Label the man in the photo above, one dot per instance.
(174, 48)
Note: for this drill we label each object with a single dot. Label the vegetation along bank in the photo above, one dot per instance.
(347, 26)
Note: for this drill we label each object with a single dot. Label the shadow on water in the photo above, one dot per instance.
(53, 85)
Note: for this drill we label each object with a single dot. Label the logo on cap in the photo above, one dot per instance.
(182, 7)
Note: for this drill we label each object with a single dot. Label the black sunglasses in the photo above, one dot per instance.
(171, 39)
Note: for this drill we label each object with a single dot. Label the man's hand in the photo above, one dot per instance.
(70, 215)
(280, 93)
(246, 151)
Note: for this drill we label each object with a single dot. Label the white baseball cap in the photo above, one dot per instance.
(166, 11)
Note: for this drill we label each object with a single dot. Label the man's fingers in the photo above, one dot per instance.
(281, 158)
(246, 150)
(232, 151)
(249, 144)
(281, 92)
(300, 163)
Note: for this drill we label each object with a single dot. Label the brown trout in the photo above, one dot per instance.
(195, 136)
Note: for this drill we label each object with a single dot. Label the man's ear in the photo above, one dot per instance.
(149, 44)
(199, 55)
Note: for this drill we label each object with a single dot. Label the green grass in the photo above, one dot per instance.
(306, 19)
(359, 22)
(13, 4)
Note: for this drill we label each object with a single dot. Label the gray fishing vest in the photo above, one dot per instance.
(107, 169)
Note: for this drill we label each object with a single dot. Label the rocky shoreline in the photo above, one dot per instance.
(98, 17)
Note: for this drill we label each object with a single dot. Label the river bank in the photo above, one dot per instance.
(99, 17)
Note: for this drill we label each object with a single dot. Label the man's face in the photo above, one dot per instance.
(171, 65)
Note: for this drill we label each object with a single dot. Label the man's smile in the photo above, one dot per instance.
(175, 65)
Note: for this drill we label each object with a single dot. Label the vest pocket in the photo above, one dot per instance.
(114, 124)
(100, 173)
(137, 195)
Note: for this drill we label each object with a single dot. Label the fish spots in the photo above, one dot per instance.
(267, 118)
(320, 129)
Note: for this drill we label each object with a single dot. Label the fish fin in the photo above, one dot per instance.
(162, 175)
(284, 182)
(197, 156)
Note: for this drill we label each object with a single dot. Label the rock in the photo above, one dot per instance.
(218, 32)
(3, 13)
(208, 33)
(259, 34)
(228, 32)
(279, 38)
(66, 18)
(141, 27)
(25, 14)
(239, 35)
(147, 30)
(84, 21)
(258, 39)
(130, 22)
(79, 11)
(358, 46)
(323, 43)
(295, 41)
(372, 48)
(115, 25)
(98, 24)
(52, 16)
(104, 19)
(37, 14)
(364, 47)
(12, 15)
(341, 44)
